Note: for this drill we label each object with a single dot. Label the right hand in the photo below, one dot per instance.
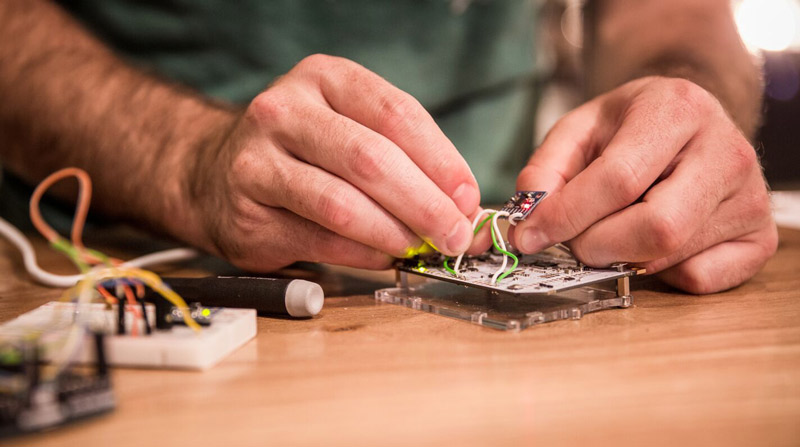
(331, 164)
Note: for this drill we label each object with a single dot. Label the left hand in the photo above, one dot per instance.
(656, 174)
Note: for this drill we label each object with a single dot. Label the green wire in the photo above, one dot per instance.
(477, 229)
(447, 267)
(480, 225)
(101, 256)
(516, 261)
(64, 246)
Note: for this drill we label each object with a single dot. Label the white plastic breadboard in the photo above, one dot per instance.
(178, 348)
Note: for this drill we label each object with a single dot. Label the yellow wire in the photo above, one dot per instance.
(84, 290)
(150, 279)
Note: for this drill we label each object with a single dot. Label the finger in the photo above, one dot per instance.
(633, 159)
(482, 239)
(567, 149)
(575, 140)
(725, 265)
(674, 210)
(381, 170)
(277, 237)
(735, 218)
(368, 99)
(333, 203)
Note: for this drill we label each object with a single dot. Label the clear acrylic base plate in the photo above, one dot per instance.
(504, 311)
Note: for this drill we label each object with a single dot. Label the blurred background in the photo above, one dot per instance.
(769, 28)
(772, 27)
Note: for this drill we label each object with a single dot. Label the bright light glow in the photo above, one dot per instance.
(767, 24)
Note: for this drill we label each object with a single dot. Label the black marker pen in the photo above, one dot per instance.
(293, 297)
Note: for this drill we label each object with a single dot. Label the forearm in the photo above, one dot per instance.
(696, 40)
(68, 101)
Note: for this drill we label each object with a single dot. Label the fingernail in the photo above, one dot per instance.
(459, 238)
(533, 240)
(466, 198)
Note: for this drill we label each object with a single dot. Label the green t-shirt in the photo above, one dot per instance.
(473, 69)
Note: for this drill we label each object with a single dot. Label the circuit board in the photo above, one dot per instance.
(523, 203)
(33, 400)
(506, 290)
(541, 273)
(224, 330)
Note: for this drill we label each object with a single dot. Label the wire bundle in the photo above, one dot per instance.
(497, 241)
(97, 269)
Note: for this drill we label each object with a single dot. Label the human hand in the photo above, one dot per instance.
(331, 164)
(652, 173)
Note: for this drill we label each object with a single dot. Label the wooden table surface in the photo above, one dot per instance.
(673, 369)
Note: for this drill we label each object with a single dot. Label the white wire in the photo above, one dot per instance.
(162, 257)
(515, 218)
(29, 257)
(22, 243)
(501, 242)
(474, 225)
(76, 335)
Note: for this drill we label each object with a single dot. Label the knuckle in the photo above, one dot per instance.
(431, 214)
(677, 100)
(568, 123)
(316, 62)
(243, 223)
(242, 164)
(687, 96)
(365, 160)
(396, 110)
(742, 157)
(770, 241)
(247, 218)
(696, 279)
(247, 165)
(760, 207)
(443, 168)
(332, 205)
(267, 107)
(624, 181)
(666, 233)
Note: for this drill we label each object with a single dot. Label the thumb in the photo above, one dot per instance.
(566, 150)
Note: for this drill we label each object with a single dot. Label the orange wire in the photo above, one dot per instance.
(131, 302)
(108, 296)
(76, 234)
(134, 309)
(84, 197)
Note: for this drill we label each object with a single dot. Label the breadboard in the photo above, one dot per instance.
(178, 348)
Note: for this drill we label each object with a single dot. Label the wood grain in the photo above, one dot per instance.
(674, 369)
